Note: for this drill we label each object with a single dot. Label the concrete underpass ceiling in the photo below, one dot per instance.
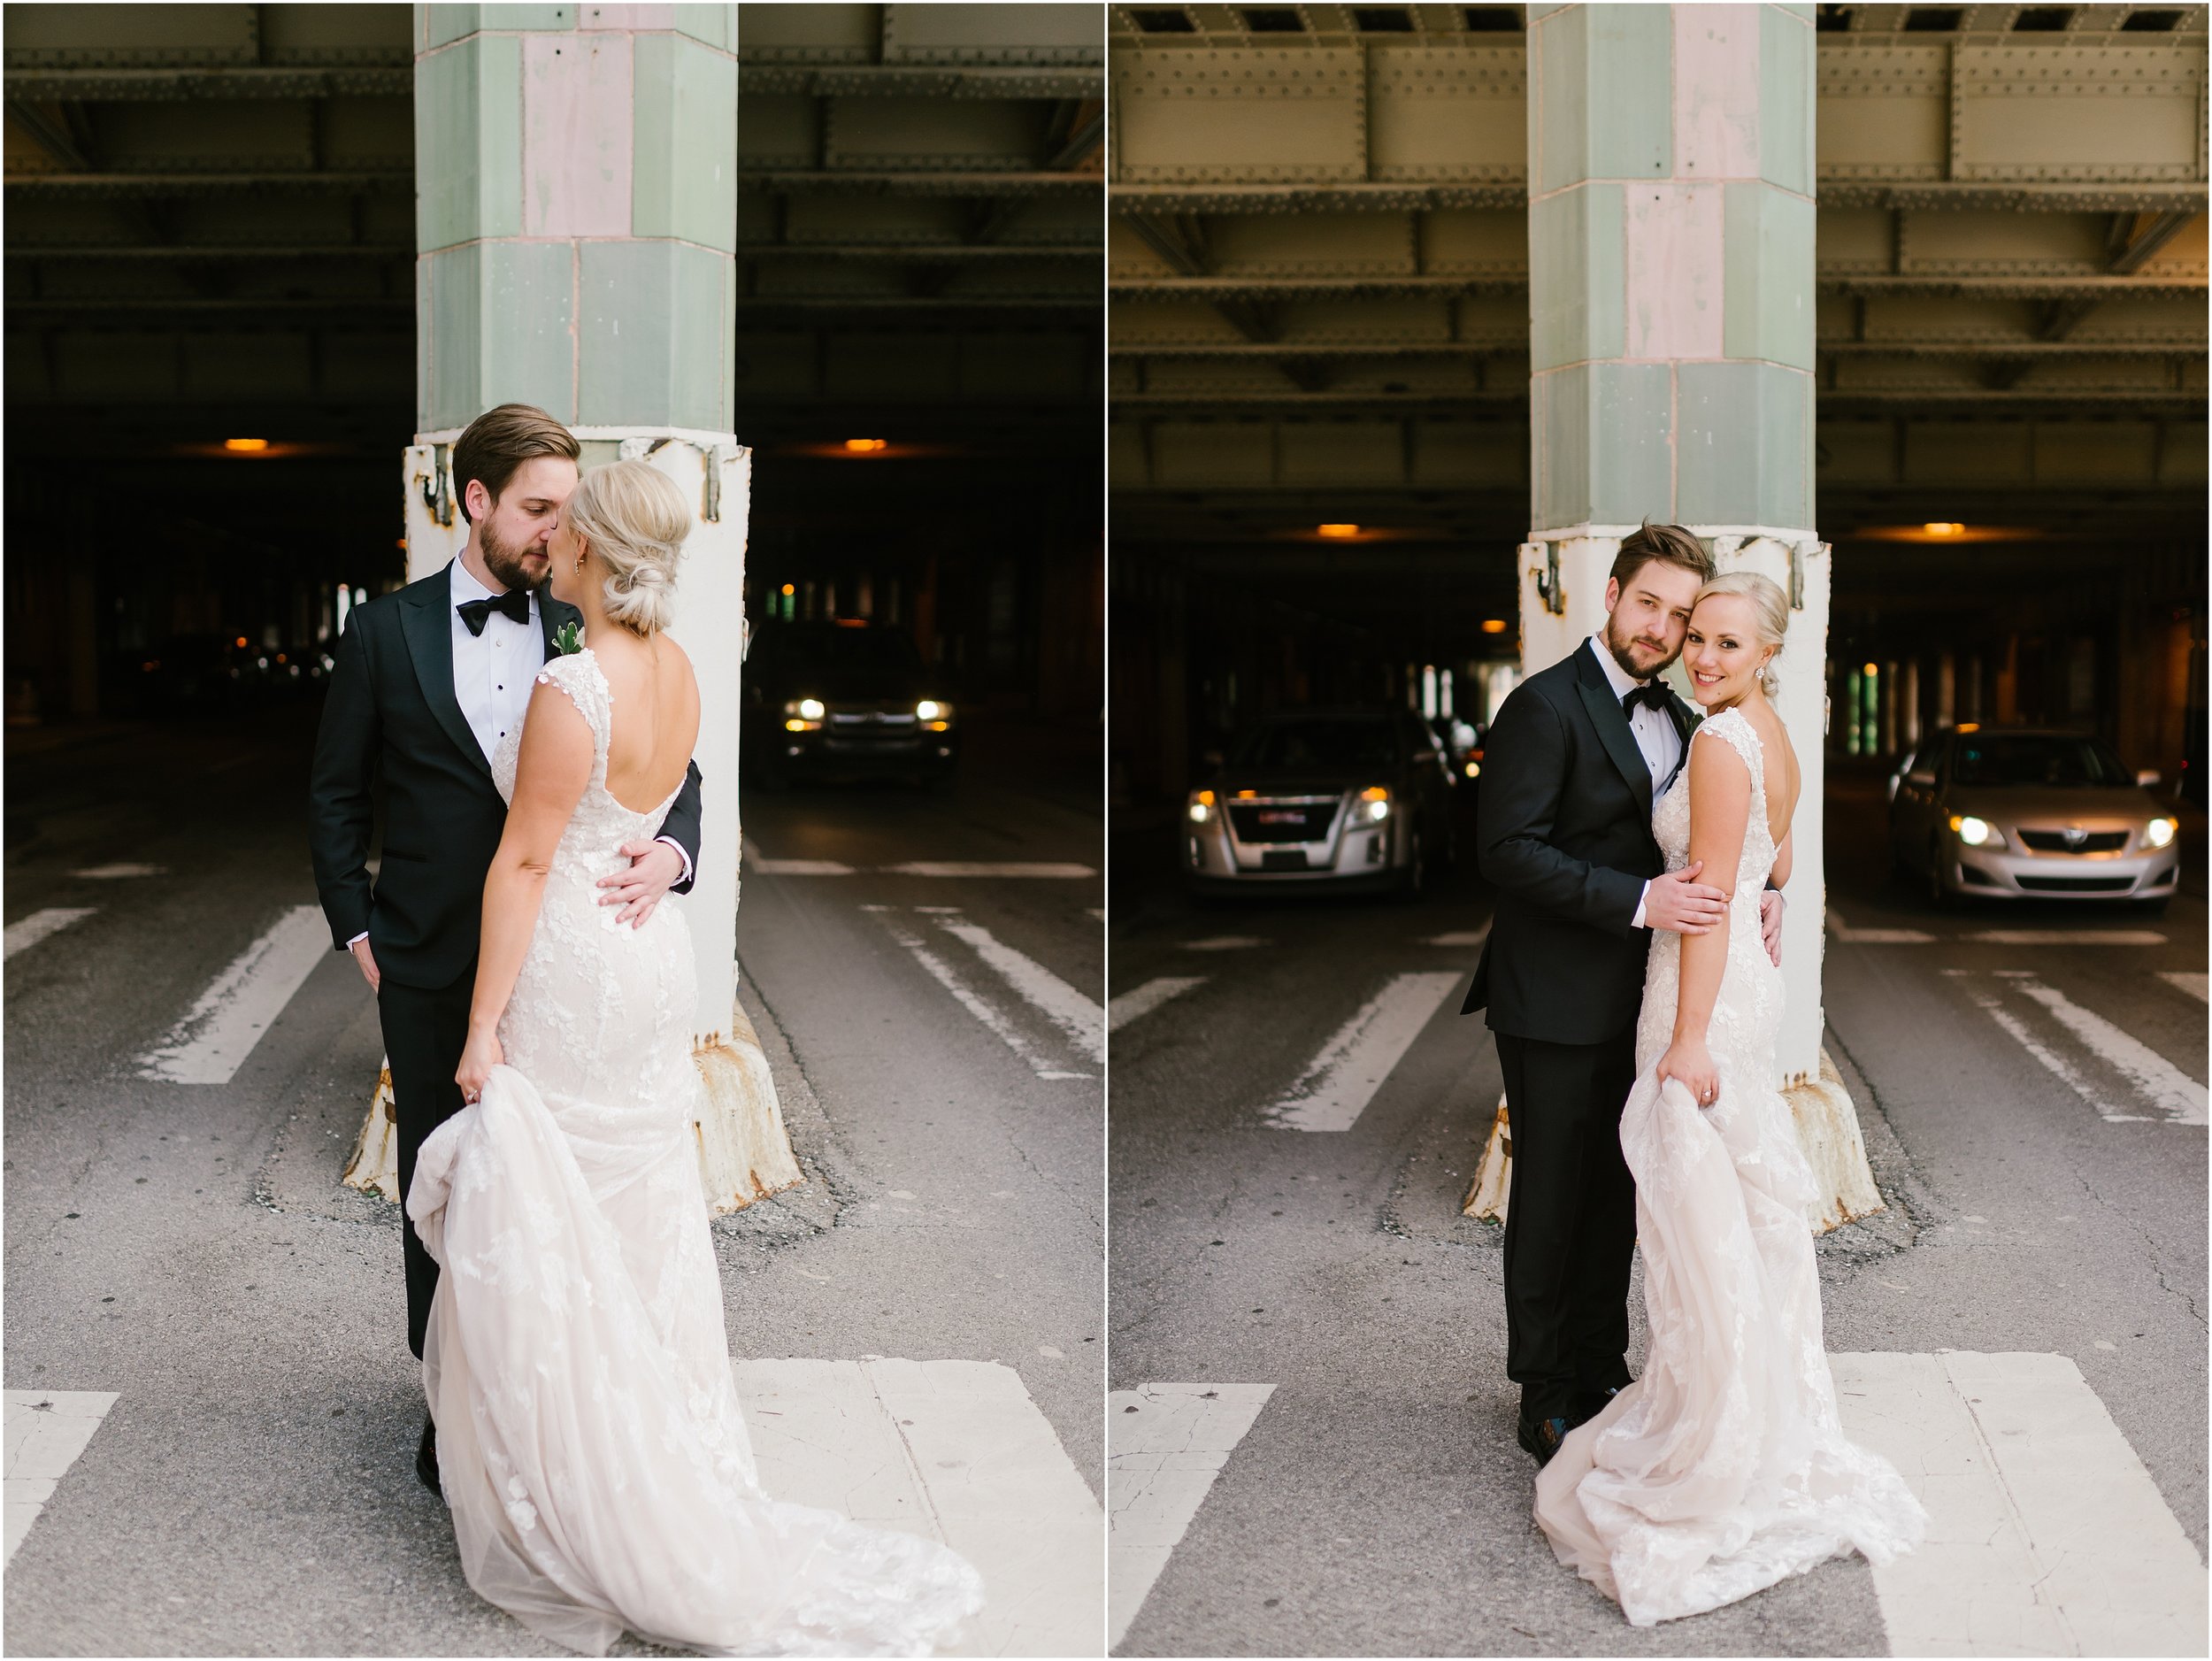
(209, 234)
(1318, 305)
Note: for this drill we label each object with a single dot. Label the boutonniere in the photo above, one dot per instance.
(568, 639)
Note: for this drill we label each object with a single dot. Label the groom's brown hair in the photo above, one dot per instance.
(1670, 544)
(497, 442)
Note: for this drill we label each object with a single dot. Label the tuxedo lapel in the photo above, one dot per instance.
(1612, 724)
(428, 627)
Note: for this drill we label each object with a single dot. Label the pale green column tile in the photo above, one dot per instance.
(1559, 476)
(424, 340)
(1578, 277)
(684, 159)
(449, 23)
(1631, 470)
(1544, 8)
(456, 343)
(536, 19)
(468, 143)
(1796, 11)
(1746, 453)
(1559, 59)
(717, 25)
(1767, 287)
(529, 355)
(1628, 91)
(654, 336)
(1787, 77)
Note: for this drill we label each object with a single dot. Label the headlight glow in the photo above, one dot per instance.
(930, 710)
(1378, 800)
(1474, 770)
(810, 709)
(1201, 806)
(2159, 832)
(1977, 832)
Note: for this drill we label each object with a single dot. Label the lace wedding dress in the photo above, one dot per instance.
(1724, 1469)
(590, 1438)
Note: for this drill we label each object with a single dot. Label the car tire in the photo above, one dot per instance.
(1941, 895)
(1413, 879)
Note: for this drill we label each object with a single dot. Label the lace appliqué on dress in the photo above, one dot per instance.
(1725, 1468)
(590, 1440)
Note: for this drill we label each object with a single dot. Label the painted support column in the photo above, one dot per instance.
(576, 224)
(1670, 285)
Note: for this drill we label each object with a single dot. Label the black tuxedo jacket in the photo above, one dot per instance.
(390, 708)
(1563, 834)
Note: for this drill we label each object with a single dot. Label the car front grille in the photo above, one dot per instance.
(2051, 841)
(863, 721)
(1301, 820)
(2076, 885)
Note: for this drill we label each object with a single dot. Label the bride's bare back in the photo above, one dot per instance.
(655, 717)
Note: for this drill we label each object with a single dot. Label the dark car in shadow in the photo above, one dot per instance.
(1328, 798)
(847, 700)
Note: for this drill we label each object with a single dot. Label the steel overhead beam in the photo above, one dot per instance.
(922, 253)
(942, 182)
(904, 80)
(2117, 197)
(1447, 288)
(2010, 349)
(207, 251)
(233, 304)
(1278, 350)
(51, 135)
(148, 85)
(78, 185)
(1242, 400)
(2112, 197)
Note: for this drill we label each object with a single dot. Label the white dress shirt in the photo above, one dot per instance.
(1655, 737)
(493, 671)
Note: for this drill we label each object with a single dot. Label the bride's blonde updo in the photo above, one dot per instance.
(1770, 606)
(634, 518)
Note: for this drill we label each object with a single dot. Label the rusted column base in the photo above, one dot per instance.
(1827, 1134)
(744, 1154)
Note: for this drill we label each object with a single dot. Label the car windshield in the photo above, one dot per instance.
(2048, 759)
(1319, 746)
(842, 647)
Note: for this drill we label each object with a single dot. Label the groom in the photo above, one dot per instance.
(1576, 754)
(427, 682)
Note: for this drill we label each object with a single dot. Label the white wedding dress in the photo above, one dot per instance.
(590, 1442)
(1724, 1469)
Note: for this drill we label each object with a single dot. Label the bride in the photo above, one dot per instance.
(1724, 1469)
(590, 1438)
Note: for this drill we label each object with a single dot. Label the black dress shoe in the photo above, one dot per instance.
(1542, 1436)
(1590, 1406)
(426, 1457)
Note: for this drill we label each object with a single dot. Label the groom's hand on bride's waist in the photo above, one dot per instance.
(1679, 903)
(653, 868)
(1771, 924)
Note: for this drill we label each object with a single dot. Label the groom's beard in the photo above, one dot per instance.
(1639, 658)
(508, 563)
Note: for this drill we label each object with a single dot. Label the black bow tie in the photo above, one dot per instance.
(514, 603)
(1652, 694)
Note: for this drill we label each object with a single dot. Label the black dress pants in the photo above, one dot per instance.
(1569, 1221)
(425, 1030)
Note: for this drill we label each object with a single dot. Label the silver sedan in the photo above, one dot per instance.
(2014, 813)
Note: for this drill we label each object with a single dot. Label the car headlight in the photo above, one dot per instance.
(808, 709)
(931, 709)
(1201, 806)
(1474, 770)
(1377, 798)
(2159, 832)
(1977, 832)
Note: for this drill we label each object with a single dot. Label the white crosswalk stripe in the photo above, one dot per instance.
(953, 1450)
(1076, 1016)
(2190, 980)
(2151, 1079)
(1340, 1082)
(45, 1431)
(1165, 1443)
(1142, 1000)
(2047, 1536)
(27, 931)
(995, 1020)
(221, 1029)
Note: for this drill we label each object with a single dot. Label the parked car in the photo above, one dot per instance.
(1323, 799)
(2009, 813)
(845, 699)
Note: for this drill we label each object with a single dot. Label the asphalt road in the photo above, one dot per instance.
(1378, 1505)
(187, 1247)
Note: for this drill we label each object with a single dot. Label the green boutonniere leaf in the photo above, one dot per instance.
(568, 638)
